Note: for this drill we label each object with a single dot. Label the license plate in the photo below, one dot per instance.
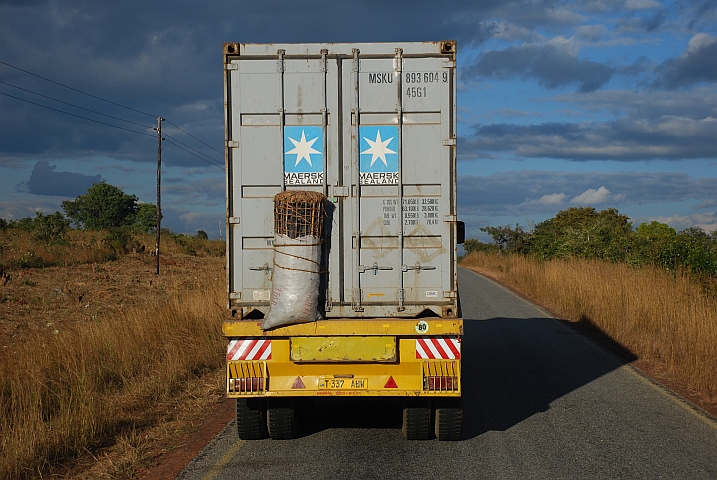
(343, 384)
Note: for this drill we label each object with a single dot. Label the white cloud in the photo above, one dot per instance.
(641, 4)
(592, 197)
(551, 199)
(706, 221)
(698, 42)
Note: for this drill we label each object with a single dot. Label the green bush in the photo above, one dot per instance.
(28, 260)
(50, 228)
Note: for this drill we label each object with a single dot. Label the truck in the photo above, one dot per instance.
(371, 126)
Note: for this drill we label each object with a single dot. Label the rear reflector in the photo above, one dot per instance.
(298, 383)
(440, 384)
(247, 377)
(246, 385)
(391, 383)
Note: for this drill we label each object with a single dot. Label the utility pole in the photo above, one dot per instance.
(159, 198)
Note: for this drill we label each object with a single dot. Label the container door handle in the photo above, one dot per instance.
(375, 267)
(264, 267)
(418, 267)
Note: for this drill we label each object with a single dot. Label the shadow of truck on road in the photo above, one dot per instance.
(514, 368)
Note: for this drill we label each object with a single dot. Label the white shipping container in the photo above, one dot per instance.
(373, 127)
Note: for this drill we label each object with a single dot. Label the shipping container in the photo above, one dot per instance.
(372, 127)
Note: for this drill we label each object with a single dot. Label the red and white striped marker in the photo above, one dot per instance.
(249, 348)
(435, 348)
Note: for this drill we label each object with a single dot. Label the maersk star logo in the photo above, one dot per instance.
(379, 148)
(302, 149)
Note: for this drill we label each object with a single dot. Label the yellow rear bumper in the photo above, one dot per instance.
(386, 365)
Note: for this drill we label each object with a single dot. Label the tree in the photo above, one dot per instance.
(104, 206)
(507, 238)
(146, 218)
(583, 232)
(202, 235)
(50, 228)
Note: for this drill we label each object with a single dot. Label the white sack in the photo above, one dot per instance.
(295, 286)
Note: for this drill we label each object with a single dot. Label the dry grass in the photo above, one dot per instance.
(96, 382)
(665, 320)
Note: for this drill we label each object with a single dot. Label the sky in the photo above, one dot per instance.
(599, 103)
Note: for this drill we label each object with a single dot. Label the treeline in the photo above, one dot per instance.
(606, 235)
(105, 219)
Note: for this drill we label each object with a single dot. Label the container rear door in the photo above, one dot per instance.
(400, 138)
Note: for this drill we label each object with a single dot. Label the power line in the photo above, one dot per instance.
(103, 114)
(191, 148)
(76, 90)
(73, 105)
(191, 153)
(74, 115)
(195, 138)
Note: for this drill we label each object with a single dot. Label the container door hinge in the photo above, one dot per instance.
(449, 142)
(280, 61)
(231, 66)
(449, 294)
(232, 144)
(401, 294)
(356, 300)
(450, 64)
(356, 63)
(449, 218)
(235, 295)
(235, 220)
(329, 302)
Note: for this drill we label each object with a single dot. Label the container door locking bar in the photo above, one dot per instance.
(418, 267)
(264, 267)
(375, 267)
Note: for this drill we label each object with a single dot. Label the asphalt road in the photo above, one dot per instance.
(540, 401)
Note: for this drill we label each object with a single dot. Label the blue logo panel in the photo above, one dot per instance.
(303, 155)
(379, 154)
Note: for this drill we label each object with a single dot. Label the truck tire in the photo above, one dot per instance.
(417, 423)
(282, 421)
(251, 418)
(449, 423)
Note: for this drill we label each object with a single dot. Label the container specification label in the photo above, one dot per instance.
(378, 162)
(303, 155)
(415, 211)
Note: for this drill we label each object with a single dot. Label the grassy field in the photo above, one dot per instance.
(666, 320)
(104, 364)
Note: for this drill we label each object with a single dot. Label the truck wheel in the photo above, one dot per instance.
(417, 423)
(449, 424)
(282, 421)
(251, 418)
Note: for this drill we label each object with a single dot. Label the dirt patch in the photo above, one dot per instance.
(170, 464)
(38, 302)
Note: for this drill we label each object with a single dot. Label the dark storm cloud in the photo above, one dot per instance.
(530, 191)
(696, 103)
(44, 180)
(550, 65)
(668, 137)
(698, 64)
(205, 191)
(168, 62)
